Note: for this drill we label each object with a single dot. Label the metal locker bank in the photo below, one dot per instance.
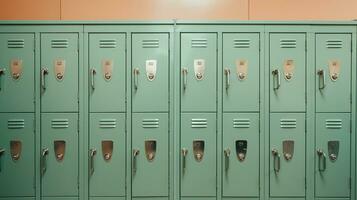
(178, 110)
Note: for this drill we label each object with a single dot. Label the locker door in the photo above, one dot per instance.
(150, 161)
(150, 67)
(198, 71)
(17, 72)
(332, 156)
(287, 156)
(59, 72)
(241, 63)
(333, 72)
(107, 73)
(240, 159)
(107, 154)
(287, 72)
(198, 154)
(17, 171)
(59, 154)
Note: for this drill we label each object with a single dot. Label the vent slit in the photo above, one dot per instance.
(288, 123)
(16, 43)
(199, 123)
(150, 123)
(288, 43)
(154, 43)
(199, 43)
(108, 43)
(60, 43)
(16, 123)
(59, 123)
(241, 123)
(241, 43)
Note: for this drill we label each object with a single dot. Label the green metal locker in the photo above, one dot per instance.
(107, 73)
(17, 72)
(150, 72)
(240, 160)
(198, 63)
(59, 154)
(333, 155)
(287, 66)
(107, 160)
(333, 72)
(287, 158)
(59, 72)
(150, 155)
(241, 61)
(17, 161)
(198, 173)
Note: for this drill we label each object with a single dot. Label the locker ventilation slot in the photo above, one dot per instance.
(150, 43)
(15, 123)
(199, 43)
(60, 123)
(333, 123)
(199, 123)
(334, 44)
(241, 43)
(288, 43)
(16, 43)
(108, 43)
(241, 123)
(288, 123)
(108, 123)
(150, 123)
(60, 43)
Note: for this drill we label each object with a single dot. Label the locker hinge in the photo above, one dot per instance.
(350, 182)
(305, 184)
(78, 125)
(78, 182)
(305, 45)
(34, 183)
(34, 125)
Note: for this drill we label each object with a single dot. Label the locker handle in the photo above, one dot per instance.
(227, 72)
(92, 153)
(322, 156)
(276, 160)
(43, 160)
(44, 72)
(184, 77)
(321, 74)
(227, 153)
(136, 74)
(2, 151)
(276, 73)
(2, 72)
(135, 154)
(92, 74)
(184, 154)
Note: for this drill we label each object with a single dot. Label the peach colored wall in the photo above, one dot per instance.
(178, 9)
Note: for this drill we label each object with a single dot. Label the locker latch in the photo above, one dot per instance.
(241, 149)
(242, 69)
(198, 149)
(2, 151)
(289, 68)
(107, 68)
(59, 68)
(15, 148)
(150, 66)
(333, 149)
(334, 68)
(60, 147)
(16, 68)
(107, 149)
(150, 149)
(199, 67)
(288, 149)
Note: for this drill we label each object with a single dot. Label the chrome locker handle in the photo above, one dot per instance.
(92, 74)
(184, 152)
(227, 73)
(44, 153)
(227, 153)
(92, 153)
(321, 74)
(276, 81)
(2, 151)
(2, 72)
(276, 161)
(136, 74)
(135, 154)
(44, 72)
(184, 77)
(322, 160)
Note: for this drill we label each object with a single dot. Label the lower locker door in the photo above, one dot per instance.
(332, 156)
(17, 171)
(59, 154)
(198, 154)
(287, 155)
(107, 154)
(240, 159)
(150, 154)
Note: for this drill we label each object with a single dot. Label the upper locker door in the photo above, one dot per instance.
(17, 159)
(241, 63)
(198, 71)
(17, 72)
(59, 72)
(150, 72)
(333, 155)
(287, 72)
(107, 73)
(198, 155)
(333, 72)
(150, 161)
